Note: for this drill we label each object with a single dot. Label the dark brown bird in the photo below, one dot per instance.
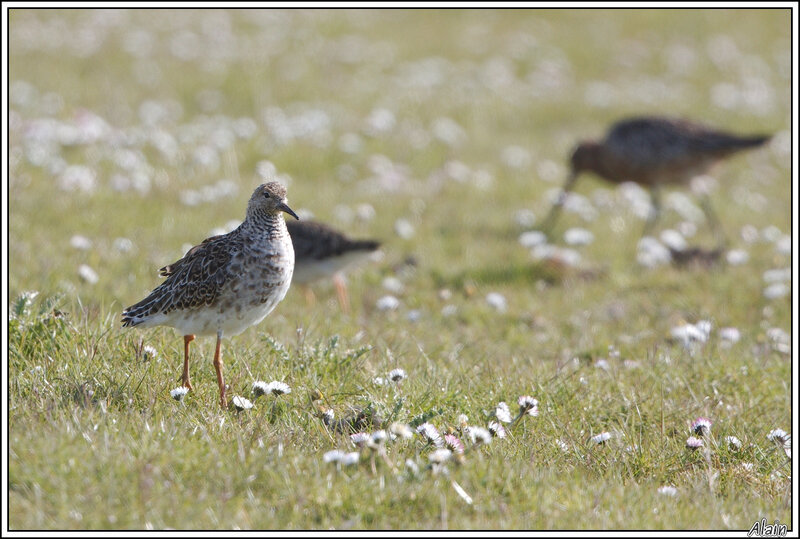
(654, 151)
(322, 252)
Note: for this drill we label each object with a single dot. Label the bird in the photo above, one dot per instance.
(653, 151)
(227, 283)
(323, 252)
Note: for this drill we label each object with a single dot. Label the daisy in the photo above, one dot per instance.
(479, 435)
(733, 442)
(240, 403)
(348, 459)
(179, 392)
(453, 443)
(359, 439)
(668, 490)
(397, 375)
(528, 406)
(496, 429)
(778, 435)
(377, 439)
(694, 443)
(401, 430)
(440, 456)
(327, 417)
(701, 426)
(260, 388)
(148, 353)
(333, 456)
(502, 412)
(430, 434)
(601, 438)
(278, 388)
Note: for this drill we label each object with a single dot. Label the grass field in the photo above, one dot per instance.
(136, 134)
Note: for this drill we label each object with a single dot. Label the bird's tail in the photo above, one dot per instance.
(365, 245)
(724, 143)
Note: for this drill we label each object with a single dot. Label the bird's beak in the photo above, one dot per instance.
(284, 207)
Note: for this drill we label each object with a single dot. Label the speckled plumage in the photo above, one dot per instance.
(228, 282)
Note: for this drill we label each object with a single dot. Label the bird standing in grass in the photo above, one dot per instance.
(654, 151)
(323, 252)
(227, 283)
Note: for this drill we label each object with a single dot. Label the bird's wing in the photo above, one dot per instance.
(194, 280)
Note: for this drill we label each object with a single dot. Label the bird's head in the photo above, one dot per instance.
(269, 198)
(585, 156)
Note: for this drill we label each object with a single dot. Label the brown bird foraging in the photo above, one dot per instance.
(654, 151)
(227, 283)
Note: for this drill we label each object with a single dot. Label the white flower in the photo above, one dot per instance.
(278, 388)
(778, 435)
(80, 242)
(562, 445)
(333, 456)
(479, 435)
(776, 290)
(729, 335)
(578, 236)
(350, 458)
(701, 426)
(532, 239)
(430, 434)
(462, 420)
(240, 403)
(397, 375)
(327, 417)
(148, 353)
(601, 438)
(359, 439)
(497, 301)
(440, 456)
(783, 438)
(387, 303)
(88, 274)
(528, 406)
(179, 392)
(377, 439)
(668, 490)
(401, 430)
(733, 442)
(260, 388)
(412, 466)
(502, 412)
(496, 429)
(694, 443)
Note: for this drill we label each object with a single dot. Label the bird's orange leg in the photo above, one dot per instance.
(218, 366)
(341, 292)
(185, 378)
(310, 298)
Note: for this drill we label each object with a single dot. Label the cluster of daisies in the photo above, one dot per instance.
(444, 447)
(275, 388)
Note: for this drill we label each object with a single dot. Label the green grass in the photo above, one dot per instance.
(96, 441)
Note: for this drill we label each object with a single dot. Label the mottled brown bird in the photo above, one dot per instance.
(227, 283)
(322, 252)
(654, 151)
